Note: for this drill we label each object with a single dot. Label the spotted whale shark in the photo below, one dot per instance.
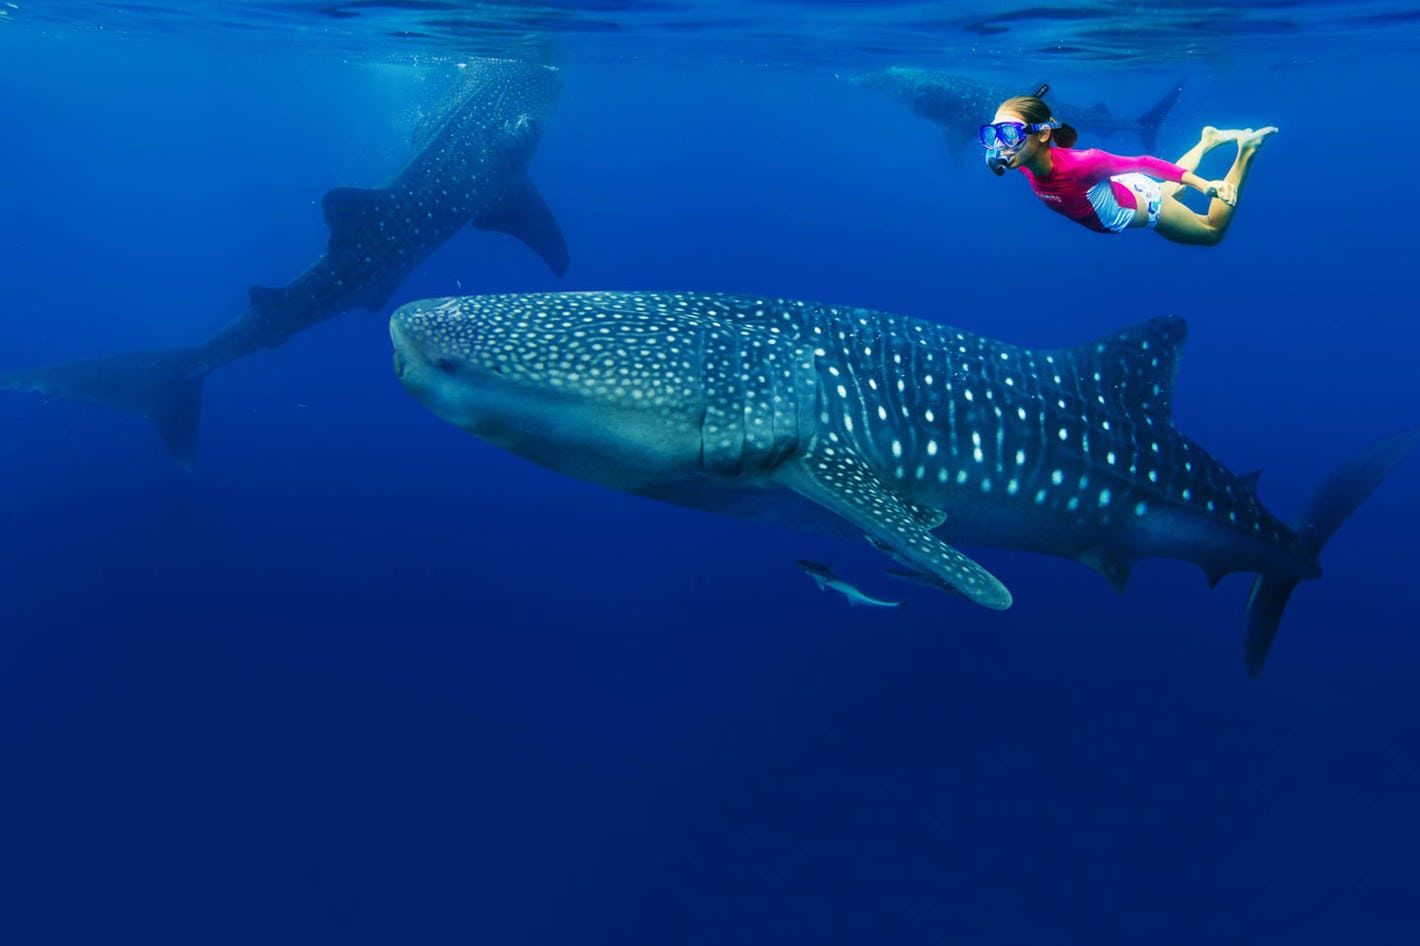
(469, 165)
(960, 104)
(919, 436)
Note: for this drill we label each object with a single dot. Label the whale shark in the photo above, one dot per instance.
(918, 436)
(469, 165)
(961, 105)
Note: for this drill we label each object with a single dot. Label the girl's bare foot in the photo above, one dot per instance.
(1253, 140)
(1212, 137)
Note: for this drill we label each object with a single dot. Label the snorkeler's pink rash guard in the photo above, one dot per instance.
(1066, 189)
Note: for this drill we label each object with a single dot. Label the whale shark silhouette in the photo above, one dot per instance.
(469, 166)
(961, 105)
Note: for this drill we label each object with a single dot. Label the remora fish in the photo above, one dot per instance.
(825, 578)
(470, 165)
(961, 105)
(898, 428)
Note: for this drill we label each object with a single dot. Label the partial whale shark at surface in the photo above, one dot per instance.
(915, 435)
(961, 105)
(469, 166)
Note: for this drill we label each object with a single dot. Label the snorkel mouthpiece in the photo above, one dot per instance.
(997, 162)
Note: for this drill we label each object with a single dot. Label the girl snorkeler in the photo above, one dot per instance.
(1109, 193)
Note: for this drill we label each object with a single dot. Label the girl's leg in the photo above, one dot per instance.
(1181, 225)
(1190, 159)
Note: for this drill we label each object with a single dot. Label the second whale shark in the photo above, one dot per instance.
(960, 105)
(915, 435)
(469, 166)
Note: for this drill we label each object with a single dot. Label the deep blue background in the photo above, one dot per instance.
(360, 677)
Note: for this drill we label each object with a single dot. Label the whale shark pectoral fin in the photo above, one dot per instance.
(846, 487)
(525, 215)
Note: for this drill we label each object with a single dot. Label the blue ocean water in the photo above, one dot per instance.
(360, 677)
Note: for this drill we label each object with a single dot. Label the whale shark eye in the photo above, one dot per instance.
(446, 365)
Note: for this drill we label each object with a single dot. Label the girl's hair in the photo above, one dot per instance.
(1034, 110)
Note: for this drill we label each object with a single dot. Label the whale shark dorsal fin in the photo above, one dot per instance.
(352, 213)
(347, 209)
(844, 485)
(525, 215)
(1136, 367)
(270, 302)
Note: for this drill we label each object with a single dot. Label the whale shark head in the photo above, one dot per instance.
(650, 393)
(603, 388)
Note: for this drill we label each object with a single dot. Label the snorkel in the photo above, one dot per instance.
(998, 159)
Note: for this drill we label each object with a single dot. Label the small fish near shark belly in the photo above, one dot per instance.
(827, 580)
(914, 434)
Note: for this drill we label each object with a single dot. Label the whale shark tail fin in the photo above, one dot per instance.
(1339, 496)
(1150, 121)
(164, 386)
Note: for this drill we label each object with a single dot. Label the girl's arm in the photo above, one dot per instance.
(1222, 190)
(1104, 164)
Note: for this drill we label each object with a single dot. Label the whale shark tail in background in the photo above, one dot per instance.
(1150, 121)
(1338, 497)
(163, 385)
(1146, 126)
